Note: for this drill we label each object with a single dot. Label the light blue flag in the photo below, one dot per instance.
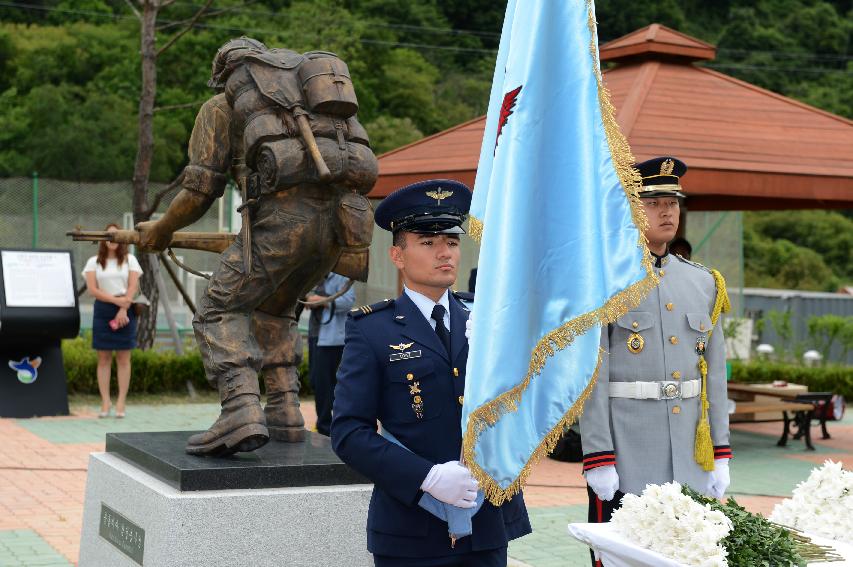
(555, 208)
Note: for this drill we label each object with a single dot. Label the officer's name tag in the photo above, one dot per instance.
(404, 355)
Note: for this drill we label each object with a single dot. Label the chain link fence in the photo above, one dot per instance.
(36, 213)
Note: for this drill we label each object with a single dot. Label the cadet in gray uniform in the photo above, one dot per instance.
(639, 425)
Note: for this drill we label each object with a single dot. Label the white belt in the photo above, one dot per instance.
(662, 390)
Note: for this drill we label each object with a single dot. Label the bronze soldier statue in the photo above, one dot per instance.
(284, 126)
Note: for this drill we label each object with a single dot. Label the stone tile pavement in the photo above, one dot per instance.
(43, 474)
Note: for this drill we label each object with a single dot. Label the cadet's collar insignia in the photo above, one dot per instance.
(636, 342)
(667, 167)
(439, 195)
(700, 345)
(401, 346)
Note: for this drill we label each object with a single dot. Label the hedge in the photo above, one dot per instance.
(831, 378)
(152, 372)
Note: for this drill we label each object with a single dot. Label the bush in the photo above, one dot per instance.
(152, 372)
(832, 378)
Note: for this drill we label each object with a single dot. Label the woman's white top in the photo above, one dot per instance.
(113, 278)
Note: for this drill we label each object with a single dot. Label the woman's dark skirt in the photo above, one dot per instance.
(104, 338)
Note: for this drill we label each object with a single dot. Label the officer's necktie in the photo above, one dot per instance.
(443, 334)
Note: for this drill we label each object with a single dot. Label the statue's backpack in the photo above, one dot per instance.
(270, 90)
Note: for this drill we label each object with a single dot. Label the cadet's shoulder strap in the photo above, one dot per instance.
(359, 312)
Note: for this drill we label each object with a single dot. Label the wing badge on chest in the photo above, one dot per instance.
(402, 353)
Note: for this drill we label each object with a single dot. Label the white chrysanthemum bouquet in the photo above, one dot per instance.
(673, 524)
(821, 505)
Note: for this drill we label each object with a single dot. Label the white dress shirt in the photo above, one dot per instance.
(425, 305)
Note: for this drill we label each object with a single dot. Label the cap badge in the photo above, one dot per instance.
(401, 346)
(439, 195)
(667, 167)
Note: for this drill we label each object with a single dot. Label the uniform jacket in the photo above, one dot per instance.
(378, 382)
(652, 441)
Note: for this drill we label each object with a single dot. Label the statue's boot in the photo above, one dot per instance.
(241, 425)
(284, 418)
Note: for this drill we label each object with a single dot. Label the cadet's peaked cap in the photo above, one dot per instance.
(437, 206)
(661, 177)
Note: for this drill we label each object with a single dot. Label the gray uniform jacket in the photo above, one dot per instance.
(651, 441)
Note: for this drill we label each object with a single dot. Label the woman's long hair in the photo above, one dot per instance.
(103, 252)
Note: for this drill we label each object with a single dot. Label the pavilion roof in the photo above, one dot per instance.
(746, 147)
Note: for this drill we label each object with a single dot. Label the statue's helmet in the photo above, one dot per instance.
(230, 51)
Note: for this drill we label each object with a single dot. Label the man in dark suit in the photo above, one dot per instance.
(404, 366)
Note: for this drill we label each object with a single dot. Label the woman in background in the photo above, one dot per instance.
(112, 277)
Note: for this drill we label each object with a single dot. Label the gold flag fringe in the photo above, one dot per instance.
(703, 450)
(491, 489)
(475, 228)
(620, 303)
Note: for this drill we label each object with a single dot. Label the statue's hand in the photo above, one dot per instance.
(153, 236)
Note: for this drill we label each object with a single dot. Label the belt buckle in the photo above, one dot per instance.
(670, 390)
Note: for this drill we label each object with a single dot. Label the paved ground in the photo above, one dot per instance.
(43, 475)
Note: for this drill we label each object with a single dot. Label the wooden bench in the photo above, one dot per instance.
(803, 413)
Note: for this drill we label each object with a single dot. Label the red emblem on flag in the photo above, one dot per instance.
(506, 109)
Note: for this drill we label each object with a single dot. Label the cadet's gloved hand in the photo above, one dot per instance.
(452, 484)
(469, 326)
(720, 479)
(604, 481)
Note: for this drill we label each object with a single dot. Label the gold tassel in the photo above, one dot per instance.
(703, 451)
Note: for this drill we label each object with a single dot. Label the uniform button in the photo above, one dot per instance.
(676, 375)
(676, 409)
(673, 339)
(701, 326)
(410, 376)
(662, 272)
(456, 372)
(669, 306)
(417, 399)
(461, 399)
(635, 324)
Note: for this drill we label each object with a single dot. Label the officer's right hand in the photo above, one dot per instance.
(451, 483)
(153, 236)
(604, 481)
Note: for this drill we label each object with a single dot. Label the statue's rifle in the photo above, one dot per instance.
(215, 242)
(208, 241)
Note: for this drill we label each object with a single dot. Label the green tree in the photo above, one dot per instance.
(388, 133)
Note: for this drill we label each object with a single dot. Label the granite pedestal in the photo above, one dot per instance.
(148, 503)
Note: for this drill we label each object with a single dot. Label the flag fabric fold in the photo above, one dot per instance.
(556, 211)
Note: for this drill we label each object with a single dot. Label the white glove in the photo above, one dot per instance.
(604, 481)
(452, 484)
(469, 326)
(720, 479)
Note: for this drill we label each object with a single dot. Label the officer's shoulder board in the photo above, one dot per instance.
(358, 312)
(467, 298)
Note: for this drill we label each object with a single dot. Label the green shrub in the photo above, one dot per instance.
(831, 378)
(152, 372)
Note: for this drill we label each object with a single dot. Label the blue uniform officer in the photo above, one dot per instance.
(398, 401)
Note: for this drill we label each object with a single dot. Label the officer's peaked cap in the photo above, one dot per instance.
(661, 177)
(437, 206)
